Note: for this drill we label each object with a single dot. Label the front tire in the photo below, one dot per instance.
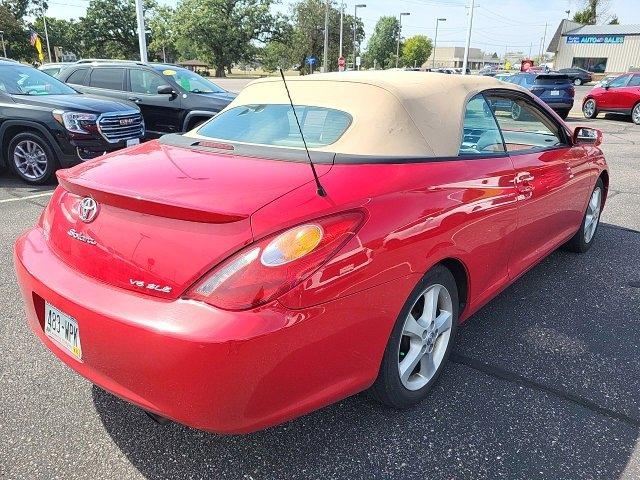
(31, 158)
(421, 341)
(583, 239)
(589, 108)
(577, 82)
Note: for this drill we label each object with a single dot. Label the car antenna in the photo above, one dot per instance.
(321, 191)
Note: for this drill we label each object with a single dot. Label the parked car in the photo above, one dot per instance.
(45, 124)
(172, 99)
(556, 90)
(621, 95)
(218, 279)
(54, 69)
(577, 75)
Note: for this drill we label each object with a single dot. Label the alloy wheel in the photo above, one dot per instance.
(635, 115)
(593, 214)
(425, 337)
(516, 111)
(577, 81)
(30, 159)
(589, 108)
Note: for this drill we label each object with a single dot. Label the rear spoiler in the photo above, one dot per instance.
(131, 201)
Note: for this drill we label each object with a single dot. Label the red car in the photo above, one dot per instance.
(620, 95)
(211, 279)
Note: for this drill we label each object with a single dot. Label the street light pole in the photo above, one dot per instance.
(46, 34)
(468, 43)
(142, 41)
(325, 61)
(355, 23)
(435, 42)
(399, 34)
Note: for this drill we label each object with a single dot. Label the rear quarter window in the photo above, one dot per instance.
(275, 125)
(77, 76)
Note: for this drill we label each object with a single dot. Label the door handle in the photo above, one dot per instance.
(135, 99)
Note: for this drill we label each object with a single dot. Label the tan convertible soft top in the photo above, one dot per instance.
(394, 112)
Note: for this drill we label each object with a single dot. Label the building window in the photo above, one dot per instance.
(595, 65)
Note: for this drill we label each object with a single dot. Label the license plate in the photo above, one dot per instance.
(62, 329)
(555, 93)
(133, 141)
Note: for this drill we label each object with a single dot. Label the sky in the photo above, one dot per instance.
(498, 25)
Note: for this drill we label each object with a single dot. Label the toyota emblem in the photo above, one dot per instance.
(88, 209)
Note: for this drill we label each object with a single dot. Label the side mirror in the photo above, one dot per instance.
(166, 90)
(587, 136)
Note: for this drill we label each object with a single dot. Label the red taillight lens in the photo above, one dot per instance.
(274, 265)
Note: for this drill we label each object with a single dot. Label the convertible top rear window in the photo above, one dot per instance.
(275, 125)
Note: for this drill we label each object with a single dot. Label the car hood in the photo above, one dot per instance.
(76, 102)
(223, 97)
(165, 215)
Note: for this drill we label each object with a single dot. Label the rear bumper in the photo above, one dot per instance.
(558, 104)
(228, 372)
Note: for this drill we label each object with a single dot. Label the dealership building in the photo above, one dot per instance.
(597, 48)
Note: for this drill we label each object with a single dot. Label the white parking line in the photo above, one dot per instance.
(28, 197)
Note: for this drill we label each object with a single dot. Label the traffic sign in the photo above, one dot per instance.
(311, 60)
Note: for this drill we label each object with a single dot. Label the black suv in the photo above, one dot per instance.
(45, 124)
(172, 99)
(577, 75)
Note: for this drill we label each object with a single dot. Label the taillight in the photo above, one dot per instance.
(266, 269)
(572, 91)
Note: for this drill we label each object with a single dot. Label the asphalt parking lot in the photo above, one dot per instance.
(544, 383)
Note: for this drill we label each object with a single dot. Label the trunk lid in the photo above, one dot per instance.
(165, 214)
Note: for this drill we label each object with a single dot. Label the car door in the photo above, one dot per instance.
(609, 99)
(107, 82)
(488, 198)
(552, 178)
(161, 112)
(629, 95)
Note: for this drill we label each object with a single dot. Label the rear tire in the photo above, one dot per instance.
(583, 239)
(635, 114)
(31, 158)
(516, 111)
(563, 114)
(589, 108)
(423, 336)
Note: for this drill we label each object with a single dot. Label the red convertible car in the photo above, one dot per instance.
(211, 279)
(620, 95)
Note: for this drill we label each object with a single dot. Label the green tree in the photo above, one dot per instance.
(110, 30)
(593, 11)
(162, 44)
(381, 50)
(62, 33)
(222, 31)
(16, 36)
(307, 37)
(416, 50)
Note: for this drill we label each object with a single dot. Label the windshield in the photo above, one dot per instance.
(276, 125)
(191, 81)
(23, 80)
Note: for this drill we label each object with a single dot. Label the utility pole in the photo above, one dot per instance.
(466, 47)
(46, 34)
(355, 17)
(435, 42)
(399, 34)
(325, 62)
(544, 39)
(142, 41)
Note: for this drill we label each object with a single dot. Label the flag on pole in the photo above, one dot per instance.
(34, 40)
